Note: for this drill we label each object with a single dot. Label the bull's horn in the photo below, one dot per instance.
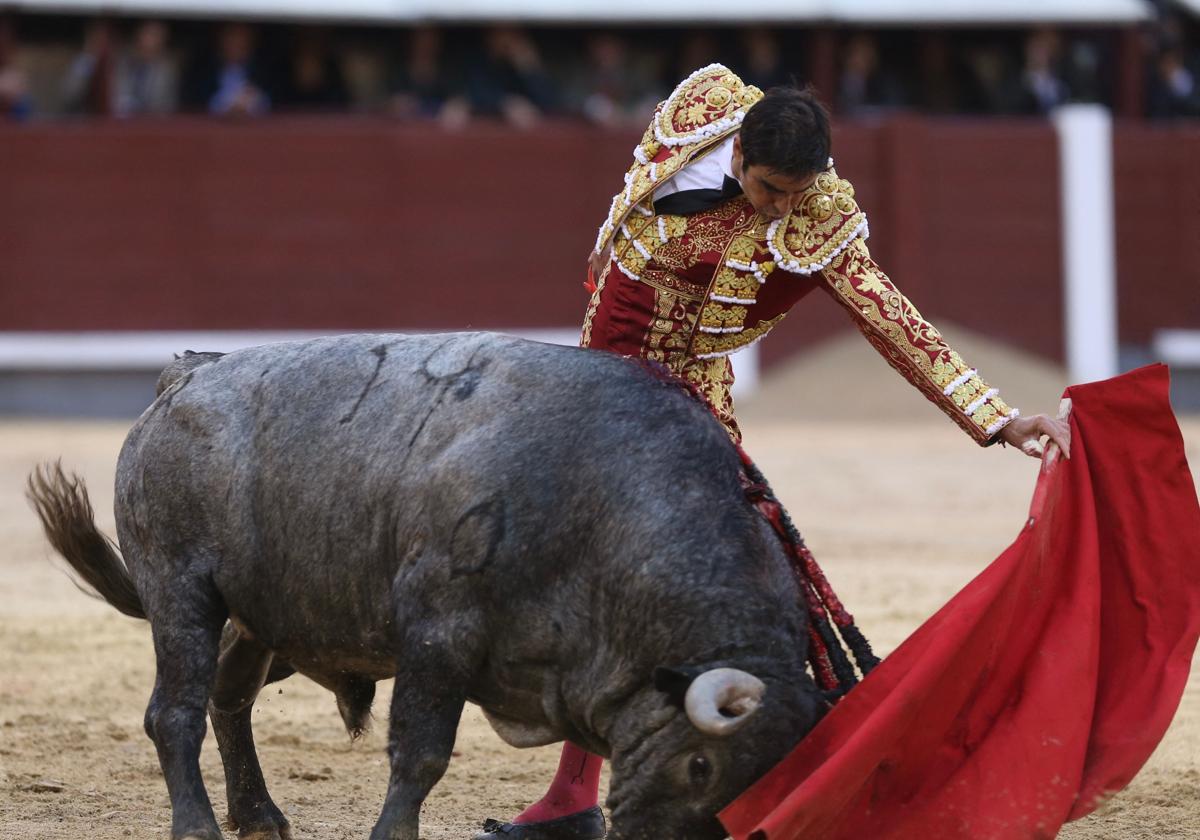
(720, 701)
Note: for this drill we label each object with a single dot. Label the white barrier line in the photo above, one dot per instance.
(1178, 347)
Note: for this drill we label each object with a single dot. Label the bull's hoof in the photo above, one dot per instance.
(586, 825)
(284, 833)
(267, 824)
(197, 833)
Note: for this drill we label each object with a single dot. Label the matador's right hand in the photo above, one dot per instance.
(598, 259)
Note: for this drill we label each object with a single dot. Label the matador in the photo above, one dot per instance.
(732, 212)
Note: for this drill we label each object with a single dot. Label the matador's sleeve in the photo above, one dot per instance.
(912, 345)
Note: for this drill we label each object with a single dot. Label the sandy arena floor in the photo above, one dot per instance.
(897, 514)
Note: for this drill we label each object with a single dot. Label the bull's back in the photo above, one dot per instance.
(310, 478)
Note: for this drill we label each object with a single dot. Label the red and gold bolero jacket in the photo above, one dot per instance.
(689, 290)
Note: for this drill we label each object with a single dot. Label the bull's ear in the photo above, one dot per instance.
(674, 682)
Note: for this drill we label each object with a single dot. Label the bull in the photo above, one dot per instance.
(552, 533)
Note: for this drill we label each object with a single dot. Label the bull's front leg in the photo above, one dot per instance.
(427, 703)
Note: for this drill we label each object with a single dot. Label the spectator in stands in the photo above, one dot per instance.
(88, 85)
(698, 49)
(614, 88)
(420, 85)
(508, 80)
(1174, 88)
(948, 84)
(990, 66)
(314, 81)
(762, 63)
(1082, 69)
(147, 81)
(15, 102)
(234, 83)
(1041, 87)
(862, 87)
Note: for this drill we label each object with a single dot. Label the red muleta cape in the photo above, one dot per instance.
(1042, 687)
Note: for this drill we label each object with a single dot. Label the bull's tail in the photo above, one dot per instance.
(66, 512)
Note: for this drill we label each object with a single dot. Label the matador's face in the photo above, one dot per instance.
(773, 194)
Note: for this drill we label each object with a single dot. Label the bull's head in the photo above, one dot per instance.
(707, 736)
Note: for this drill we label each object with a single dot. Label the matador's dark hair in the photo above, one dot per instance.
(787, 131)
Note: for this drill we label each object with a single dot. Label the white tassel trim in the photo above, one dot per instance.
(639, 154)
(794, 266)
(662, 230)
(1002, 422)
(742, 301)
(750, 267)
(704, 132)
(721, 330)
(641, 249)
(606, 228)
(949, 389)
(654, 172)
(621, 267)
(973, 407)
(643, 210)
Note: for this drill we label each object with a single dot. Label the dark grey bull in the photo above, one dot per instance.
(551, 533)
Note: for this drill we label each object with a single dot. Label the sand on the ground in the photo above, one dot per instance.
(900, 510)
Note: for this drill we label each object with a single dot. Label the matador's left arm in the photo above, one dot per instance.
(912, 345)
(825, 233)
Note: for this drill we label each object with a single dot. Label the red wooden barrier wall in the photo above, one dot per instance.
(1158, 228)
(357, 224)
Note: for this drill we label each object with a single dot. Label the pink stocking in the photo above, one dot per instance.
(575, 788)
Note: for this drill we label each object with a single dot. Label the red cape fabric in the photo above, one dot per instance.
(1044, 685)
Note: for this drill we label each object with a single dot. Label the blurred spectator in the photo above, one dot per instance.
(1082, 71)
(1041, 87)
(15, 101)
(614, 88)
(233, 83)
(147, 80)
(314, 80)
(948, 85)
(990, 65)
(420, 87)
(1174, 90)
(88, 86)
(608, 75)
(862, 87)
(698, 49)
(763, 60)
(508, 81)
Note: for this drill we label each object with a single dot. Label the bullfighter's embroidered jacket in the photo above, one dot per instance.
(689, 290)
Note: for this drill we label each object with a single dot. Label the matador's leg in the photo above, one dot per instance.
(568, 811)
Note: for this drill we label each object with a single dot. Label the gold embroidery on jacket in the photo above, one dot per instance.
(824, 223)
(706, 345)
(910, 343)
(669, 329)
(585, 337)
(699, 114)
(714, 379)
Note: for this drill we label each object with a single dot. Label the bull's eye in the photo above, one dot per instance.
(699, 769)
